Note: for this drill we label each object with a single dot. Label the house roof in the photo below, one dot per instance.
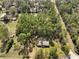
(32, 9)
(43, 43)
(2, 15)
(0, 6)
(46, 43)
(39, 43)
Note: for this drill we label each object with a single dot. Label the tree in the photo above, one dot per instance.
(40, 25)
(24, 41)
(53, 52)
(9, 45)
(39, 54)
(22, 5)
(4, 36)
(23, 38)
(3, 31)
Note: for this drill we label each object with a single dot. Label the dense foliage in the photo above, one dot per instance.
(3, 32)
(69, 12)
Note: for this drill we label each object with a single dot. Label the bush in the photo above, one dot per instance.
(53, 52)
(39, 54)
(66, 49)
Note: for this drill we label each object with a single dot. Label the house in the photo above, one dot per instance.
(43, 43)
(39, 44)
(14, 4)
(0, 7)
(35, 5)
(33, 9)
(7, 16)
(2, 16)
(46, 43)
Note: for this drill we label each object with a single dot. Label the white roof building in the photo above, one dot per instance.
(43, 43)
(2, 15)
(39, 43)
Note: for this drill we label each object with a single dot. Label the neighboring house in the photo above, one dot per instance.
(43, 44)
(46, 43)
(35, 5)
(2, 16)
(5, 17)
(0, 7)
(34, 9)
(39, 44)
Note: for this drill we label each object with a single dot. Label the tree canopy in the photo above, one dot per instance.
(40, 25)
(3, 31)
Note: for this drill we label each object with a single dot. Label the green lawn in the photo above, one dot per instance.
(12, 26)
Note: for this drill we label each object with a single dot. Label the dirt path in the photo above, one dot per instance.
(63, 25)
(32, 55)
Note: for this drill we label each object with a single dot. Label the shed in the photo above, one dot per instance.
(46, 43)
(43, 44)
(39, 44)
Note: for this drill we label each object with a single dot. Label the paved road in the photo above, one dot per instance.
(73, 55)
(63, 25)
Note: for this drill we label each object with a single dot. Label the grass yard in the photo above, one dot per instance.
(12, 26)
